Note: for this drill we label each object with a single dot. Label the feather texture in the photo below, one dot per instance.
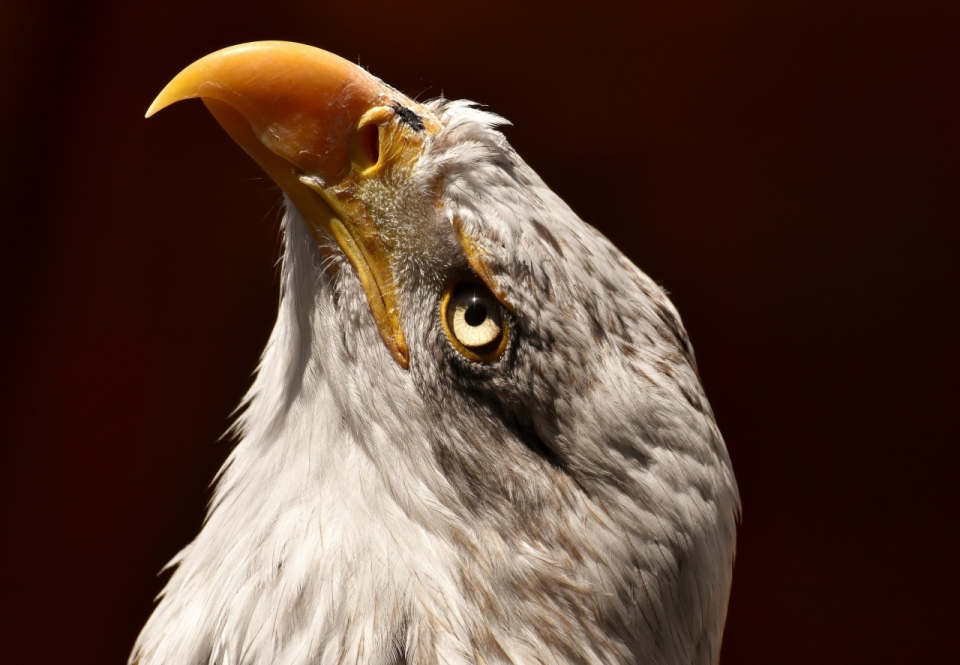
(571, 503)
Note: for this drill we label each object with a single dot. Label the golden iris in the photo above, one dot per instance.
(474, 321)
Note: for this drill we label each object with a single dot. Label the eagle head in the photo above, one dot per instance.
(477, 434)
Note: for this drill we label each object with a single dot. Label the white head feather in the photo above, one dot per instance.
(571, 503)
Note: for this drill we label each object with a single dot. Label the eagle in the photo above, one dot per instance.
(477, 433)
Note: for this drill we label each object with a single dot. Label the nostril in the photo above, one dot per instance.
(370, 143)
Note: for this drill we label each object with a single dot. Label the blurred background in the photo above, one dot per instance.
(789, 171)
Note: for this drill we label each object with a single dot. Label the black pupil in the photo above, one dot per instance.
(476, 312)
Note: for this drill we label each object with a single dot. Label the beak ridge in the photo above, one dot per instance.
(295, 110)
(301, 102)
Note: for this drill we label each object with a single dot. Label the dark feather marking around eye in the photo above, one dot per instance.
(542, 282)
(409, 117)
(541, 449)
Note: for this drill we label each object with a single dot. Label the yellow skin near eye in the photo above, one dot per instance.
(474, 342)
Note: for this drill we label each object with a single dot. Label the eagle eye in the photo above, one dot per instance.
(474, 321)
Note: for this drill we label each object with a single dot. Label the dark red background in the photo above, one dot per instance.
(789, 171)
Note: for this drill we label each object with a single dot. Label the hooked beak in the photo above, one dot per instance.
(321, 127)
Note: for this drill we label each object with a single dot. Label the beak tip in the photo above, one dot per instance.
(165, 99)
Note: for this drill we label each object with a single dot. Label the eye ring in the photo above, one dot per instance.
(474, 321)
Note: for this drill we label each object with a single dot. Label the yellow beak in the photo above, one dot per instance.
(319, 126)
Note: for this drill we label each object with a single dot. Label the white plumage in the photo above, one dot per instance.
(569, 501)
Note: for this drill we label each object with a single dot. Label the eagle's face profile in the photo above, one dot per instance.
(477, 434)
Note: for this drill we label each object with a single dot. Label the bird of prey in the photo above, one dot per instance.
(477, 433)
